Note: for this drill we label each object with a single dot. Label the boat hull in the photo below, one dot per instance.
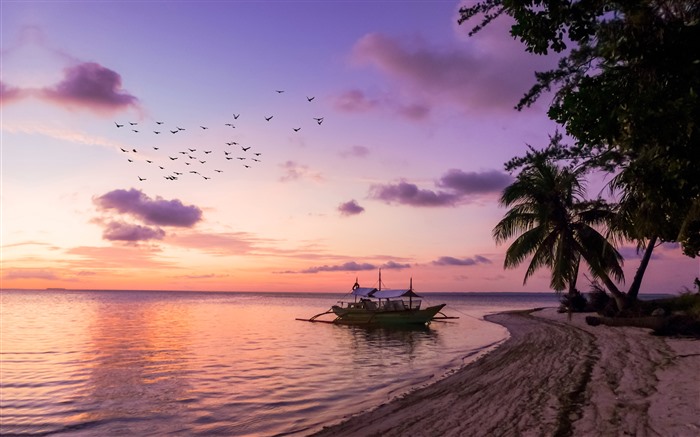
(380, 317)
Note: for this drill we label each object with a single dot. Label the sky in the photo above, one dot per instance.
(265, 146)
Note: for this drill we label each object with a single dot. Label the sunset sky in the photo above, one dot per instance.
(385, 148)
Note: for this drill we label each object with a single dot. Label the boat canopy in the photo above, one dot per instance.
(387, 294)
(363, 291)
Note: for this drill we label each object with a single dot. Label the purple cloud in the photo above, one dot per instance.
(350, 208)
(492, 181)
(354, 101)
(405, 193)
(91, 85)
(469, 78)
(452, 261)
(459, 187)
(158, 212)
(393, 265)
(350, 266)
(120, 231)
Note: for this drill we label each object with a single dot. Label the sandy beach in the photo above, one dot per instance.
(553, 377)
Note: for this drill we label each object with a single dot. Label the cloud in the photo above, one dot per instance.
(158, 212)
(405, 193)
(223, 244)
(29, 274)
(355, 151)
(350, 208)
(492, 181)
(392, 265)
(452, 261)
(458, 187)
(294, 171)
(120, 231)
(92, 86)
(467, 76)
(355, 101)
(350, 266)
(10, 94)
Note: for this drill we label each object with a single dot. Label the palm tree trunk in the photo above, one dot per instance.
(637, 282)
(619, 296)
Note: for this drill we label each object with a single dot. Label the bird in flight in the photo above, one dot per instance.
(204, 127)
(118, 125)
(319, 120)
(240, 158)
(310, 98)
(256, 160)
(257, 153)
(202, 162)
(149, 161)
(140, 178)
(207, 152)
(174, 131)
(296, 129)
(235, 116)
(192, 150)
(124, 150)
(135, 130)
(134, 150)
(269, 118)
(172, 158)
(180, 128)
(280, 91)
(219, 171)
(230, 124)
(245, 149)
(246, 166)
(156, 132)
(159, 122)
(155, 148)
(206, 178)
(229, 158)
(133, 124)
(130, 160)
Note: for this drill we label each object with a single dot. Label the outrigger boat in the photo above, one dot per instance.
(381, 307)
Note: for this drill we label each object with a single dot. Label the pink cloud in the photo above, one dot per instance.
(29, 274)
(120, 231)
(10, 94)
(461, 76)
(157, 211)
(92, 86)
(294, 171)
(350, 208)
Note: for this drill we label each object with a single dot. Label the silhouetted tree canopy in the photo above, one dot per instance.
(626, 93)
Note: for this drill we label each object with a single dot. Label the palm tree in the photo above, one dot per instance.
(554, 226)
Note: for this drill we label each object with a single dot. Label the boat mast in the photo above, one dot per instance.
(380, 279)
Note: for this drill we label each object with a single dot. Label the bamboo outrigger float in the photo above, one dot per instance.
(382, 307)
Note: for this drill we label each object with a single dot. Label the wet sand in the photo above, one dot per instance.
(553, 377)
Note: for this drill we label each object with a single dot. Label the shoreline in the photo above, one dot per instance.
(553, 376)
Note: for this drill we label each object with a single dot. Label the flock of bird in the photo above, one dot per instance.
(197, 161)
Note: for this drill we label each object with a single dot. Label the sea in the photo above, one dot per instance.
(140, 363)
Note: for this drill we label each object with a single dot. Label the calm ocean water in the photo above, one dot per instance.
(85, 363)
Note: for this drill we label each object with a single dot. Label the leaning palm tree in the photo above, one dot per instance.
(555, 227)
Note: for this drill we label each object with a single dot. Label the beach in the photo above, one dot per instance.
(553, 377)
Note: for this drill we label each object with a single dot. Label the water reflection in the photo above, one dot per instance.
(138, 365)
